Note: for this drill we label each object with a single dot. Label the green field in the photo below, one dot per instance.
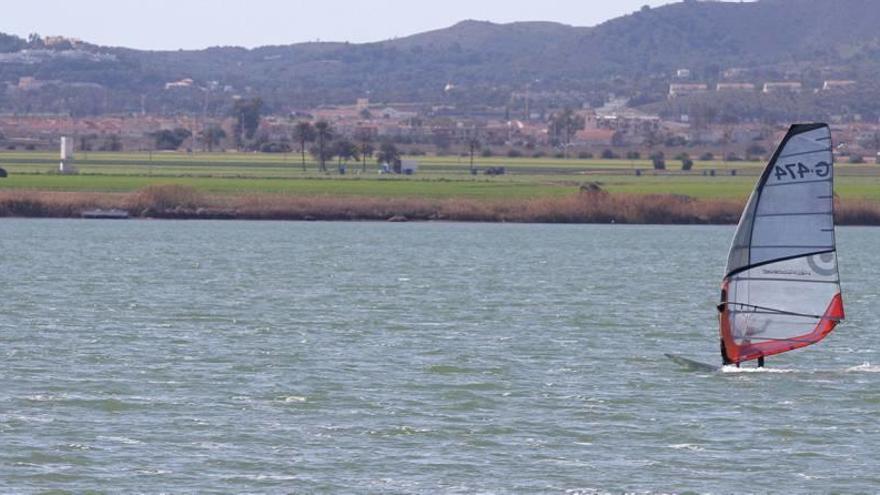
(437, 177)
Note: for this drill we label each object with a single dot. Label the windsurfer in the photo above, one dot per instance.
(726, 361)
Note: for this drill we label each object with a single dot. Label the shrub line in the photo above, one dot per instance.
(181, 202)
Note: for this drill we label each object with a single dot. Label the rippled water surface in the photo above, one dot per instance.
(411, 358)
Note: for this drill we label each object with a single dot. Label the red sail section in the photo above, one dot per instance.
(748, 351)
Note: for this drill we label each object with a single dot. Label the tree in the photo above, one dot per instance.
(389, 154)
(85, 142)
(564, 126)
(323, 135)
(35, 40)
(212, 136)
(755, 150)
(686, 163)
(658, 159)
(365, 146)
(473, 143)
(304, 133)
(366, 150)
(170, 139)
(322, 155)
(345, 150)
(112, 143)
(442, 141)
(247, 118)
(870, 141)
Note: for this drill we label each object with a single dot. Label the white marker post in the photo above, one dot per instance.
(66, 166)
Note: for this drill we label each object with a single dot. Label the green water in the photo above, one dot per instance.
(229, 357)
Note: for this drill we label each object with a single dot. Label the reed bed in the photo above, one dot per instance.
(174, 201)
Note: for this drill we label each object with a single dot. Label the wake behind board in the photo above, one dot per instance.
(692, 365)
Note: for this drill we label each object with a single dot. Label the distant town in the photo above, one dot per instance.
(531, 124)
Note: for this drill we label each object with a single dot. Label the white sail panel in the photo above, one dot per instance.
(780, 300)
(792, 206)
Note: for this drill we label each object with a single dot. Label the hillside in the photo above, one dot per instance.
(632, 55)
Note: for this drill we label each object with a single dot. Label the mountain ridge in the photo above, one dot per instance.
(633, 55)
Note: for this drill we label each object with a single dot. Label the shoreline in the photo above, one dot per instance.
(586, 207)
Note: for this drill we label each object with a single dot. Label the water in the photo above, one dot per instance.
(226, 357)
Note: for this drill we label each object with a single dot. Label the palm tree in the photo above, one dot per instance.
(323, 134)
(365, 146)
(304, 133)
(474, 145)
(366, 150)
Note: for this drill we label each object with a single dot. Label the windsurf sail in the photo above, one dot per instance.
(782, 288)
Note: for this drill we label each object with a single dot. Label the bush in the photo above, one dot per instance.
(733, 157)
(707, 157)
(275, 147)
(559, 154)
(608, 155)
(538, 154)
(687, 164)
(857, 159)
(675, 141)
(486, 153)
(756, 150)
(170, 139)
(633, 155)
(659, 161)
(585, 155)
(167, 197)
(513, 153)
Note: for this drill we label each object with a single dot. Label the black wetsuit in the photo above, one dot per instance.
(724, 359)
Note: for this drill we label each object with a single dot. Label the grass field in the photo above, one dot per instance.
(437, 178)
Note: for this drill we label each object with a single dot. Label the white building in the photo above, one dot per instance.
(782, 87)
(66, 165)
(685, 89)
(728, 86)
(831, 85)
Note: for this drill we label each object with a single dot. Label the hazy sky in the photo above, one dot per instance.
(173, 24)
